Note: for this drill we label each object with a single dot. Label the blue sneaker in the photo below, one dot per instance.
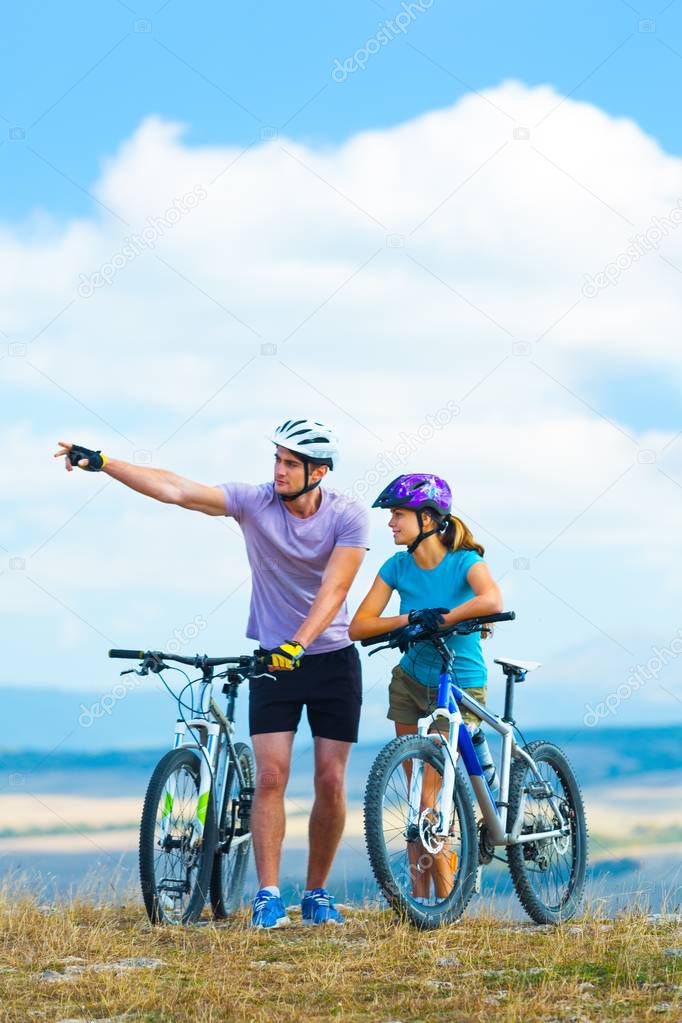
(319, 908)
(268, 911)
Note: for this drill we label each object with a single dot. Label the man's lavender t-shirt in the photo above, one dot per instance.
(288, 557)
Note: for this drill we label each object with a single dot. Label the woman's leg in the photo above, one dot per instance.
(417, 855)
(425, 866)
(442, 867)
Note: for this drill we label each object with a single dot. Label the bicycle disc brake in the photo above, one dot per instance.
(429, 822)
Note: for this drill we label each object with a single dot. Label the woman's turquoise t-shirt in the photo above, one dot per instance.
(443, 586)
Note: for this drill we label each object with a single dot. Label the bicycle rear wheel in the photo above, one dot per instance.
(234, 837)
(548, 875)
(174, 870)
(426, 879)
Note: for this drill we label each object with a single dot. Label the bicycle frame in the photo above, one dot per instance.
(458, 743)
(213, 740)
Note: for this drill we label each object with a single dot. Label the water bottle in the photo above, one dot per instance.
(485, 759)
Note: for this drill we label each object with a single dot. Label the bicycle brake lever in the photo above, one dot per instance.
(129, 671)
(386, 646)
(154, 664)
(266, 674)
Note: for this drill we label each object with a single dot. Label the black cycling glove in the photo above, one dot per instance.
(430, 617)
(96, 460)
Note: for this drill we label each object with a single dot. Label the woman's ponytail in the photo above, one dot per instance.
(457, 536)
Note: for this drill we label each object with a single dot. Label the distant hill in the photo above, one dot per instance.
(47, 718)
(597, 755)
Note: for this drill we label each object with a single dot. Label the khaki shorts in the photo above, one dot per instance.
(409, 700)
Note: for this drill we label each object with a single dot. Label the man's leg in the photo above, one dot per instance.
(328, 815)
(273, 760)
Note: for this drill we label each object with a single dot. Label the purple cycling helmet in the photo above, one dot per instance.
(419, 491)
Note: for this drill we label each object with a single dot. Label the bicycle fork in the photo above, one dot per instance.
(443, 805)
(208, 733)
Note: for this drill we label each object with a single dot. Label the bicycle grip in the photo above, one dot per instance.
(128, 655)
(383, 638)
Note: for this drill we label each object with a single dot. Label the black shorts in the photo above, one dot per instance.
(329, 686)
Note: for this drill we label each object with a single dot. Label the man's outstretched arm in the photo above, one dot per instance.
(161, 484)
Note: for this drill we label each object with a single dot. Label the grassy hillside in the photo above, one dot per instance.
(78, 962)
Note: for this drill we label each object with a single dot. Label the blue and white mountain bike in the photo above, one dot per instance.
(424, 843)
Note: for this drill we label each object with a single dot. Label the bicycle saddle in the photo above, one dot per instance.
(511, 662)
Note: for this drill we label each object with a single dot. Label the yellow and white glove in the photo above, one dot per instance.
(286, 657)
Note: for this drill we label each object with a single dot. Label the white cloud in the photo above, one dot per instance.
(395, 273)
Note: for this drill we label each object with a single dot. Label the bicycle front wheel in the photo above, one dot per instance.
(175, 864)
(548, 874)
(234, 836)
(426, 877)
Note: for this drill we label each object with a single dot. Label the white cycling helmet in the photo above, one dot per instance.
(309, 439)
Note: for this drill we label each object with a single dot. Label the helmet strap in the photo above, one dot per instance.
(307, 487)
(422, 535)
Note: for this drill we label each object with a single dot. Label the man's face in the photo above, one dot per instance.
(289, 474)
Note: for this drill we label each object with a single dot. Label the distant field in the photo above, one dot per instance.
(621, 816)
(69, 820)
(64, 845)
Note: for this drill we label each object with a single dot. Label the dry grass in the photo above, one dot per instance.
(373, 969)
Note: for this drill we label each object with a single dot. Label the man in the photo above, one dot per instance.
(305, 545)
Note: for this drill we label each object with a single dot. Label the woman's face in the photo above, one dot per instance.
(404, 525)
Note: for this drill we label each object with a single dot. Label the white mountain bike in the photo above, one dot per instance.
(195, 834)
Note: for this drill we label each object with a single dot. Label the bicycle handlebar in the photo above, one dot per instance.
(463, 628)
(197, 661)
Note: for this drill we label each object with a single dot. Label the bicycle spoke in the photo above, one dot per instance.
(175, 863)
(405, 857)
(550, 870)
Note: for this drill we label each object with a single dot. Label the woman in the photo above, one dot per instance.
(441, 579)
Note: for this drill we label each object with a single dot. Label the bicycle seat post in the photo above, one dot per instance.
(511, 675)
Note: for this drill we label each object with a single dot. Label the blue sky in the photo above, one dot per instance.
(78, 79)
(566, 455)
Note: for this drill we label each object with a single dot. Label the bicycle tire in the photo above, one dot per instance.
(156, 903)
(229, 869)
(453, 906)
(519, 858)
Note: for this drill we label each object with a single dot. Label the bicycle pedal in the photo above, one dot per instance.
(477, 882)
